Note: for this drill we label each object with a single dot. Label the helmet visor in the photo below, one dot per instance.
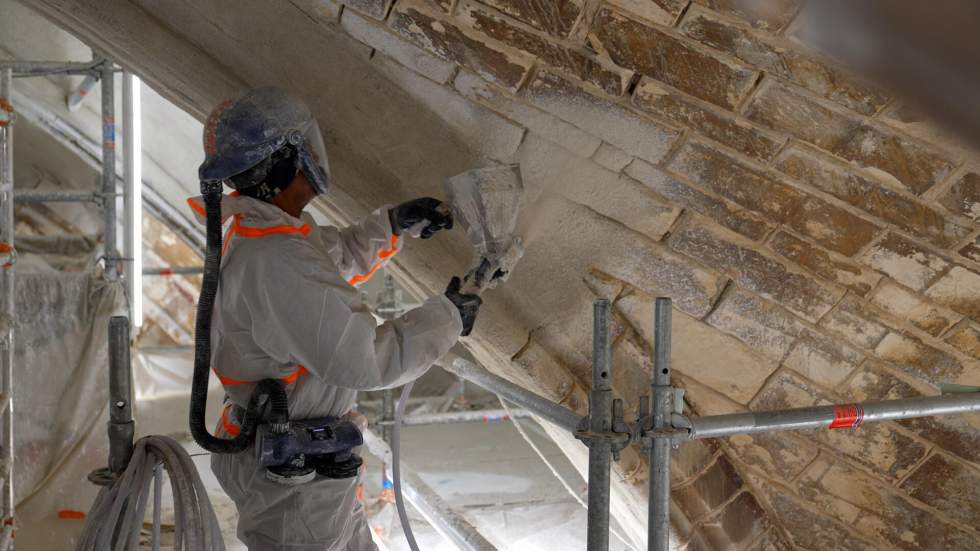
(313, 158)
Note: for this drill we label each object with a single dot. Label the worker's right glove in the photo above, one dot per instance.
(468, 305)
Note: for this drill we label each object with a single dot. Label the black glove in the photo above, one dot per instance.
(468, 305)
(423, 209)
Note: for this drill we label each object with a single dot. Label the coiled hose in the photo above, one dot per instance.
(116, 518)
(270, 388)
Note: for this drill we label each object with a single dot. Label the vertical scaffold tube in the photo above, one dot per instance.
(109, 168)
(600, 421)
(7, 208)
(659, 515)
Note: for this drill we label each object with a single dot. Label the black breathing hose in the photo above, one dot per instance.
(271, 388)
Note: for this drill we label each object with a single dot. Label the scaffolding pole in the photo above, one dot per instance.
(42, 68)
(109, 168)
(450, 417)
(600, 424)
(174, 270)
(23, 197)
(658, 523)
(7, 207)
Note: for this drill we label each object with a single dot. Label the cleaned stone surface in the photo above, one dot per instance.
(947, 485)
(966, 339)
(631, 132)
(763, 326)
(829, 225)
(708, 357)
(903, 210)
(822, 359)
(377, 36)
(963, 197)
(856, 322)
(545, 124)
(781, 58)
(756, 272)
(647, 50)
(608, 77)
(880, 447)
(905, 261)
(709, 121)
(786, 390)
(782, 107)
(813, 530)
(958, 290)
(724, 212)
(611, 157)
(918, 359)
(741, 521)
(823, 263)
(374, 8)
(424, 25)
(709, 490)
(906, 305)
(914, 164)
(770, 16)
(552, 16)
(549, 168)
(322, 10)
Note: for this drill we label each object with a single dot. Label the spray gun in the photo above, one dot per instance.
(487, 201)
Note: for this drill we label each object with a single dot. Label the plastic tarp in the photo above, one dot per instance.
(60, 398)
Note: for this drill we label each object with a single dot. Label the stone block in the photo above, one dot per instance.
(544, 124)
(780, 58)
(379, 37)
(547, 167)
(907, 162)
(958, 290)
(705, 356)
(822, 359)
(667, 58)
(611, 157)
(687, 462)
(972, 250)
(947, 485)
(664, 12)
(763, 326)
(604, 75)
(966, 339)
(918, 359)
(906, 262)
(709, 490)
(782, 107)
(633, 133)
(813, 530)
(376, 9)
(556, 17)
(327, 11)
(426, 26)
(856, 322)
(782, 456)
(823, 263)
(963, 196)
(903, 210)
(757, 272)
(707, 120)
(770, 16)
(786, 390)
(878, 446)
(724, 212)
(906, 305)
(827, 224)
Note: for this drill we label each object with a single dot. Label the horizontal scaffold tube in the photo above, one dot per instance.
(842, 416)
(538, 405)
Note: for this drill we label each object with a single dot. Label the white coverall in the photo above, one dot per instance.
(286, 308)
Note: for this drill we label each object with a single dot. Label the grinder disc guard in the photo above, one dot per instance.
(487, 202)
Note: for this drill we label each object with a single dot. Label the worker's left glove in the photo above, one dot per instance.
(467, 304)
(425, 215)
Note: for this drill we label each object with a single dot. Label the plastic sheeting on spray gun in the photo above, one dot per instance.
(487, 202)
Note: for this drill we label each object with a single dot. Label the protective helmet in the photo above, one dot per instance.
(241, 134)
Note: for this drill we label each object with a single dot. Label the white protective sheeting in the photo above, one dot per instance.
(60, 397)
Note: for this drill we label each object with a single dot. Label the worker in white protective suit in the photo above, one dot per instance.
(287, 308)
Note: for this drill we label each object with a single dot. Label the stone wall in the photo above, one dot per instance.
(818, 236)
(782, 202)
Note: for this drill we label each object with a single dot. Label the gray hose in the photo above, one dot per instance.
(396, 476)
(116, 518)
